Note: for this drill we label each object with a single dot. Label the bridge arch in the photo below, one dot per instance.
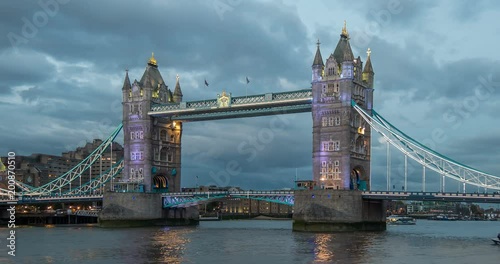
(358, 178)
(160, 182)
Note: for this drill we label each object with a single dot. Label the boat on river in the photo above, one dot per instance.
(401, 220)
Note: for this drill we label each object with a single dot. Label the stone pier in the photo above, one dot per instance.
(142, 209)
(337, 211)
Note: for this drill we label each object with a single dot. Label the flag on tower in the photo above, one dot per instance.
(206, 83)
(248, 80)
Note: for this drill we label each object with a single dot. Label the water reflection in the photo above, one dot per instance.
(342, 247)
(323, 251)
(168, 245)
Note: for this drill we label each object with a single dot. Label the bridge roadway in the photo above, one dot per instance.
(184, 199)
(290, 102)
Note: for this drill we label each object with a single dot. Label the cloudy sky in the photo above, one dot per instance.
(436, 63)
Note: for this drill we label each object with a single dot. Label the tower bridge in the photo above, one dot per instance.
(340, 100)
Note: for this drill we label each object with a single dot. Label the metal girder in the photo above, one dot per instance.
(281, 199)
(242, 106)
(98, 181)
(75, 172)
(188, 199)
(428, 157)
(184, 201)
(240, 113)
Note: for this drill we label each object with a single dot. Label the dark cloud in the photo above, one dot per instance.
(24, 67)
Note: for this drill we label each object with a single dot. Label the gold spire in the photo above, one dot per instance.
(152, 60)
(344, 30)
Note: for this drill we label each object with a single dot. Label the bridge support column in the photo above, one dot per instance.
(182, 216)
(131, 209)
(337, 211)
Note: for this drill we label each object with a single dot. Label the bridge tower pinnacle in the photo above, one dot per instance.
(151, 144)
(318, 65)
(341, 139)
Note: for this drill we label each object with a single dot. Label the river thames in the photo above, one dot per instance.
(256, 241)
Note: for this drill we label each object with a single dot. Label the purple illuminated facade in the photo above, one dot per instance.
(341, 138)
(152, 146)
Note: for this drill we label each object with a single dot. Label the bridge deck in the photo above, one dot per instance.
(242, 106)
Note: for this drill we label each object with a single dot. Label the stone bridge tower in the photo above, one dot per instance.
(341, 138)
(152, 146)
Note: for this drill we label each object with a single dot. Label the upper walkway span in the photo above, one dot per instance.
(225, 106)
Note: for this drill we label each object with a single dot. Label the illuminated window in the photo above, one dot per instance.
(336, 173)
(330, 121)
(330, 145)
(324, 121)
(325, 146)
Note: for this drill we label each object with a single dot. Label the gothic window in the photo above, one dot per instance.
(163, 154)
(336, 173)
(324, 121)
(172, 138)
(163, 135)
(337, 120)
(140, 175)
(336, 88)
(132, 173)
(337, 163)
(141, 134)
(157, 155)
(325, 146)
(170, 157)
(136, 155)
(329, 170)
(324, 169)
(132, 135)
(336, 145)
(330, 121)
(330, 145)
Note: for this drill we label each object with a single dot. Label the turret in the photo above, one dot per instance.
(368, 73)
(177, 97)
(347, 67)
(318, 66)
(127, 87)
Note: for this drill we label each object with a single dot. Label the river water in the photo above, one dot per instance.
(256, 241)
